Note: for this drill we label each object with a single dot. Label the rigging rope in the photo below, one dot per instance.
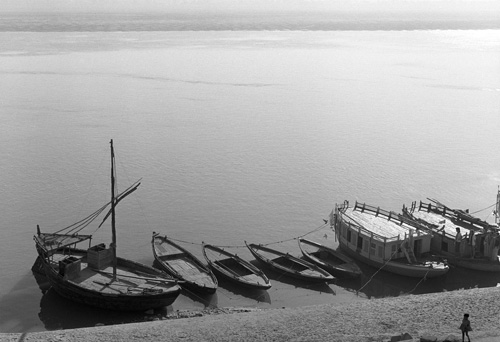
(491, 206)
(80, 225)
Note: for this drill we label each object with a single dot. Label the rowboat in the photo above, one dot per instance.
(329, 259)
(385, 240)
(233, 268)
(96, 276)
(288, 264)
(464, 240)
(183, 265)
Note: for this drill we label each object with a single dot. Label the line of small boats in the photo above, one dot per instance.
(413, 243)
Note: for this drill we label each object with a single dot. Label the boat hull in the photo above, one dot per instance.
(402, 269)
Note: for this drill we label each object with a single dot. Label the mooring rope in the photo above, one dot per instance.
(267, 244)
(424, 278)
(374, 274)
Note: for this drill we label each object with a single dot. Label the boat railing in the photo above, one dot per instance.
(456, 215)
(353, 224)
(377, 211)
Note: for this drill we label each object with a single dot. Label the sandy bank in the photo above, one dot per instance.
(372, 320)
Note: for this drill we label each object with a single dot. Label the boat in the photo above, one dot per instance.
(288, 264)
(464, 240)
(330, 260)
(96, 276)
(183, 265)
(385, 240)
(235, 269)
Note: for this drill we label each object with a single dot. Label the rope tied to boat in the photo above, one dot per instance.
(267, 244)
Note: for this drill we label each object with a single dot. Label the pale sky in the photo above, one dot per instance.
(219, 5)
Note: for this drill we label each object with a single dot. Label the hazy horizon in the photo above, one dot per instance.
(141, 6)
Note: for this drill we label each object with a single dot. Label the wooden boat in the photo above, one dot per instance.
(234, 268)
(329, 259)
(183, 265)
(476, 247)
(385, 240)
(95, 276)
(289, 265)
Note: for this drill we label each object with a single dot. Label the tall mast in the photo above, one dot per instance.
(497, 208)
(113, 221)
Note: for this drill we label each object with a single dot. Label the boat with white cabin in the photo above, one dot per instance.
(383, 239)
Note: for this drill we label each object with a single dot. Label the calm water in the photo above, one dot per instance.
(238, 136)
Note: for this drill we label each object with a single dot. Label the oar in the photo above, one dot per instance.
(145, 278)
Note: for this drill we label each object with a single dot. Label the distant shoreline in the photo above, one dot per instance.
(248, 21)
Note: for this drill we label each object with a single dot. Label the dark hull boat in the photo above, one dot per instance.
(183, 265)
(97, 277)
(385, 240)
(329, 259)
(233, 268)
(289, 265)
(475, 248)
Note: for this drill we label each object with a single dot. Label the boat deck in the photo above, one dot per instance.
(128, 281)
(379, 225)
(439, 220)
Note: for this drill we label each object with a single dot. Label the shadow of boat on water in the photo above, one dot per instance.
(259, 295)
(272, 274)
(58, 313)
(18, 307)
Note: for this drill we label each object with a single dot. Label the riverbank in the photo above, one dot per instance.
(436, 314)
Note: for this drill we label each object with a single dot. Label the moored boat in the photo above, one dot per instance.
(183, 265)
(232, 267)
(288, 264)
(385, 240)
(464, 240)
(332, 261)
(96, 276)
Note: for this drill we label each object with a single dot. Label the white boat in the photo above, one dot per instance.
(478, 242)
(385, 240)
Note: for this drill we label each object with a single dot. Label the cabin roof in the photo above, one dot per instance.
(380, 224)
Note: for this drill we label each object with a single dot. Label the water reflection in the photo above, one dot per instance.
(321, 287)
(258, 295)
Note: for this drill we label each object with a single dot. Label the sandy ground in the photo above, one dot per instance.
(437, 314)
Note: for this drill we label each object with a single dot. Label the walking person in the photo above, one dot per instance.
(465, 327)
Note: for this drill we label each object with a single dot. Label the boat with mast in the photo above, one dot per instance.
(384, 239)
(96, 276)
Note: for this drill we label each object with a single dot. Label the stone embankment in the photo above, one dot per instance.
(429, 317)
